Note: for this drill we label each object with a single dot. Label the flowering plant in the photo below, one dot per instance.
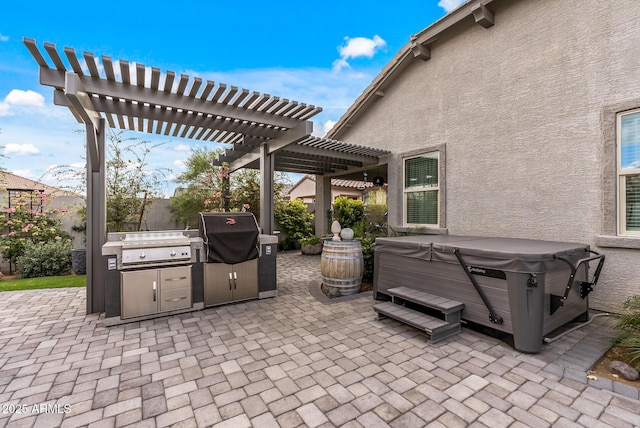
(21, 224)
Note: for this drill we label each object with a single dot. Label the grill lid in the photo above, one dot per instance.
(154, 239)
(229, 237)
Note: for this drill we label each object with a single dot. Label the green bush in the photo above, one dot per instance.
(349, 213)
(368, 252)
(294, 220)
(21, 224)
(628, 326)
(45, 259)
(311, 240)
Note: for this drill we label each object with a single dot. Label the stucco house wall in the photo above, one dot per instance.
(524, 115)
(305, 190)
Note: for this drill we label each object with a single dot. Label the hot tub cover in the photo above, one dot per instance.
(229, 237)
(508, 254)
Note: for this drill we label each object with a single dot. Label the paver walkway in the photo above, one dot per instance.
(289, 361)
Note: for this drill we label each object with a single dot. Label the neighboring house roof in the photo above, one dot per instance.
(417, 48)
(335, 182)
(15, 182)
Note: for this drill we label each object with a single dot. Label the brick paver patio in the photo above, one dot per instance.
(296, 360)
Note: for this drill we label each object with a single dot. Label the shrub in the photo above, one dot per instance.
(21, 224)
(628, 325)
(349, 212)
(45, 259)
(311, 240)
(368, 253)
(294, 220)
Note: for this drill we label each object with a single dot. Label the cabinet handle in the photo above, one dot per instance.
(230, 281)
(177, 278)
(235, 280)
(154, 291)
(176, 299)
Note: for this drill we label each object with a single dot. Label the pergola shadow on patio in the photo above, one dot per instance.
(262, 131)
(290, 361)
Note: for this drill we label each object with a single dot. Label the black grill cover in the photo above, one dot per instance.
(229, 237)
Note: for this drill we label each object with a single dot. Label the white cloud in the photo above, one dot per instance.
(20, 98)
(21, 149)
(449, 5)
(24, 98)
(325, 127)
(182, 148)
(180, 164)
(3, 38)
(357, 47)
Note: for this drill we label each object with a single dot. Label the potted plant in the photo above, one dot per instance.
(311, 245)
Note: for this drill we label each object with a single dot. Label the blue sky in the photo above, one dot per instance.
(321, 53)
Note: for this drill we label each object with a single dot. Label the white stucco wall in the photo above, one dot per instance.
(519, 110)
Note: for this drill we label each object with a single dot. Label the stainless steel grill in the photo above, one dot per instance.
(146, 249)
(151, 274)
(155, 248)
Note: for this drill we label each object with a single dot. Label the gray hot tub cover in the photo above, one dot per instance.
(506, 254)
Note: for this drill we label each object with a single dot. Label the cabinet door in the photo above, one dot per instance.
(218, 283)
(139, 293)
(245, 277)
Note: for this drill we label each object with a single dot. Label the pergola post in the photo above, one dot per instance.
(226, 193)
(323, 203)
(266, 190)
(96, 217)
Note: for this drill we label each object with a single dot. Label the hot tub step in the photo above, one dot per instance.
(435, 328)
(451, 309)
(442, 304)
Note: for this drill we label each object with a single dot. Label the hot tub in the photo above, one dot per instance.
(526, 288)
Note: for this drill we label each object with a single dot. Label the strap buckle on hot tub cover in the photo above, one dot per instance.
(586, 287)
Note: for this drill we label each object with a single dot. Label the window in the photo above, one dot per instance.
(421, 190)
(629, 173)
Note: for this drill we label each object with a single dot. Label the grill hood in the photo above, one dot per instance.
(229, 237)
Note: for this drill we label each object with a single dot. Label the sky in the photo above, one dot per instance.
(321, 53)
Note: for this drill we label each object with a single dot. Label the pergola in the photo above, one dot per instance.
(263, 131)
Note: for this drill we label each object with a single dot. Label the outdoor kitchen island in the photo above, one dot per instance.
(526, 288)
(160, 273)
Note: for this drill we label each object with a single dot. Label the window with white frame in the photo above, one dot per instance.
(629, 172)
(422, 190)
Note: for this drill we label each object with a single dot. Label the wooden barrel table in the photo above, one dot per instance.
(341, 267)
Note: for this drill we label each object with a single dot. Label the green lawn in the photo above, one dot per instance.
(44, 282)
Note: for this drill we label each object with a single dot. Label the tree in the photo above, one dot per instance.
(245, 188)
(131, 185)
(203, 188)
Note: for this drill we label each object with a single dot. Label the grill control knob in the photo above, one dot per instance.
(142, 255)
(172, 253)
